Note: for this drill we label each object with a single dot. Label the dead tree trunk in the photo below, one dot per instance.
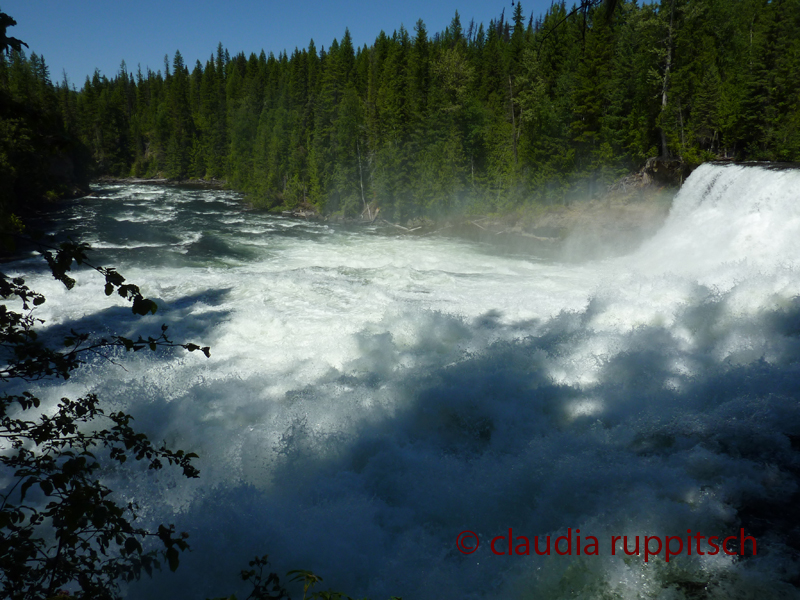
(361, 179)
(665, 82)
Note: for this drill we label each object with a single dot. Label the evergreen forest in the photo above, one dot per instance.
(524, 111)
(476, 118)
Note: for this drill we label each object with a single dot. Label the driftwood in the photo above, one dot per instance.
(400, 226)
(371, 217)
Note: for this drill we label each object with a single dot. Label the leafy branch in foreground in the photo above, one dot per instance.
(63, 533)
(60, 524)
(29, 359)
(269, 587)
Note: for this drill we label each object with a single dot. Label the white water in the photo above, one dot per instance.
(369, 397)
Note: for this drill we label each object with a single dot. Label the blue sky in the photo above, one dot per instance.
(81, 35)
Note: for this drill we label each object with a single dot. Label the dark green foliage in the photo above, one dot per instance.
(471, 118)
(482, 118)
(40, 155)
(268, 587)
(62, 528)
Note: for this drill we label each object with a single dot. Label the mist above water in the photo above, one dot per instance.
(370, 397)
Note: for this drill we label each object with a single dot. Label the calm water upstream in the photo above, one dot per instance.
(370, 397)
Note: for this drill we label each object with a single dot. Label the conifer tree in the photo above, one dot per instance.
(419, 123)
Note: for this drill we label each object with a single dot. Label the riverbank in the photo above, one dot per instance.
(612, 223)
(203, 183)
(609, 224)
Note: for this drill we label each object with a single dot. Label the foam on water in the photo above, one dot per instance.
(370, 397)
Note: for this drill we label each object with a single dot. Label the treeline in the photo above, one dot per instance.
(41, 158)
(475, 117)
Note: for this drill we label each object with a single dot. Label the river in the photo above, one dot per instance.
(369, 396)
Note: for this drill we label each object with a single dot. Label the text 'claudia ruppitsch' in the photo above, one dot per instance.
(572, 544)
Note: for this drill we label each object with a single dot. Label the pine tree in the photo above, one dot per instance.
(181, 126)
(501, 114)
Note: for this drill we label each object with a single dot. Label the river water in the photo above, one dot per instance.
(369, 397)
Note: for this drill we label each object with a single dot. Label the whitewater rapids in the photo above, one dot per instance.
(370, 397)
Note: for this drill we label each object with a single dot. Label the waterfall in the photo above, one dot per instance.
(368, 397)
